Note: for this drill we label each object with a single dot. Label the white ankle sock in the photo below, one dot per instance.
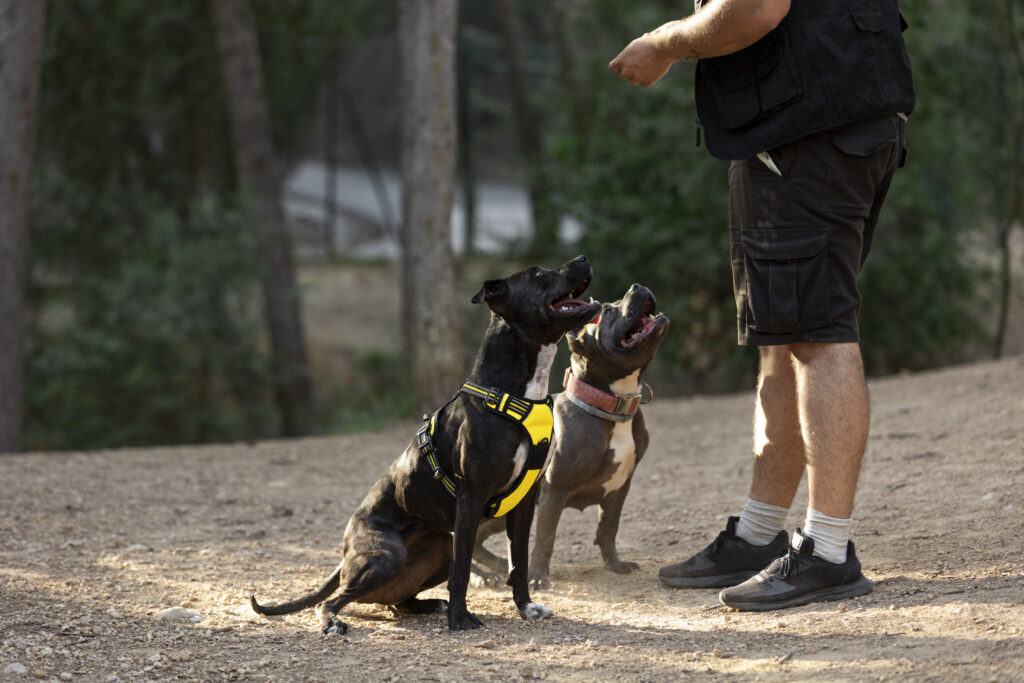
(830, 535)
(760, 522)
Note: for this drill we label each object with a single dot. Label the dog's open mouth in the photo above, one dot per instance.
(642, 328)
(570, 304)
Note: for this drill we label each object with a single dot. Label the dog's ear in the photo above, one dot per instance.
(492, 290)
(576, 343)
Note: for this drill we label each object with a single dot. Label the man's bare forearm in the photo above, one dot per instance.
(719, 28)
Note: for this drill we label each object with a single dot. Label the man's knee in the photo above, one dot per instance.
(776, 359)
(809, 353)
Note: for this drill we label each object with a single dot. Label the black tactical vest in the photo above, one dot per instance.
(827, 64)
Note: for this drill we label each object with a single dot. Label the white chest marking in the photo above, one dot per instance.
(622, 437)
(536, 389)
(630, 384)
(624, 457)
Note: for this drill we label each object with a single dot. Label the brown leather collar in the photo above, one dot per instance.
(604, 404)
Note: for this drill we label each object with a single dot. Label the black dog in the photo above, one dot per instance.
(600, 434)
(477, 456)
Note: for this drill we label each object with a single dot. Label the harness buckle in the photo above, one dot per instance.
(493, 398)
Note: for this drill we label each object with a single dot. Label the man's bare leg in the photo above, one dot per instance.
(779, 453)
(778, 449)
(834, 419)
(832, 404)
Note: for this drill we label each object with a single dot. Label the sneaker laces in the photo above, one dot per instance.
(791, 562)
(712, 549)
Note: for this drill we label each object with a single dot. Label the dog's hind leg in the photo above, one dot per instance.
(428, 565)
(489, 567)
(389, 572)
(370, 563)
(518, 530)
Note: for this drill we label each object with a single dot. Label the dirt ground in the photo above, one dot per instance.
(95, 547)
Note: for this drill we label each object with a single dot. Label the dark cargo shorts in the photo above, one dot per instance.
(799, 236)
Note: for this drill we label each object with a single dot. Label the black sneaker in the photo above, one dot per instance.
(798, 578)
(729, 560)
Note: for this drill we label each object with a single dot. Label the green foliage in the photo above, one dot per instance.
(301, 43)
(381, 393)
(158, 347)
(146, 328)
(927, 287)
(655, 207)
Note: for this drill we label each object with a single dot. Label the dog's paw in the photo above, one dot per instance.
(463, 621)
(335, 626)
(535, 610)
(440, 606)
(486, 580)
(620, 567)
(539, 583)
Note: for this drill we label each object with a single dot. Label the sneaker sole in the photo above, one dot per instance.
(718, 581)
(861, 586)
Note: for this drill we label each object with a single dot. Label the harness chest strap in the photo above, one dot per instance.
(534, 417)
(425, 444)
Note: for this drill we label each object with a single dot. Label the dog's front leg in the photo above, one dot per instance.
(608, 529)
(518, 529)
(468, 513)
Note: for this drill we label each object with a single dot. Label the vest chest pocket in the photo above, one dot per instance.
(754, 82)
(787, 279)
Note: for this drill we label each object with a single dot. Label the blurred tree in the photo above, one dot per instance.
(426, 36)
(21, 49)
(542, 209)
(1008, 28)
(143, 275)
(254, 156)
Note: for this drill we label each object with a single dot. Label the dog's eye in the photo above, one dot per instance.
(537, 272)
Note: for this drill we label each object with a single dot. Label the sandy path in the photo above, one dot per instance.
(94, 545)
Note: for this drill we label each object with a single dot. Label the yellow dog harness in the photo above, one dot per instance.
(535, 418)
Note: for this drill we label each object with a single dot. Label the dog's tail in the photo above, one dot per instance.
(318, 596)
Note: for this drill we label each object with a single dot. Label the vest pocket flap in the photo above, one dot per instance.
(754, 82)
(867, 137)
(867, 18)
(733, 79)
(783, 245)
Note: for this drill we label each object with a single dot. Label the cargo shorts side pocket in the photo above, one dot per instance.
(787, 279)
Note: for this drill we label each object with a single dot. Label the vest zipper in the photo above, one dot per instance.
(698, 130)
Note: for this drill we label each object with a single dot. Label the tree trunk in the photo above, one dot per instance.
(545, 218)
(21, 50)
(581, 102)
(429, 320)
(254, 156)
(1015, 204)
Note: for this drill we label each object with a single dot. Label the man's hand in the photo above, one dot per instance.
(643, 62)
